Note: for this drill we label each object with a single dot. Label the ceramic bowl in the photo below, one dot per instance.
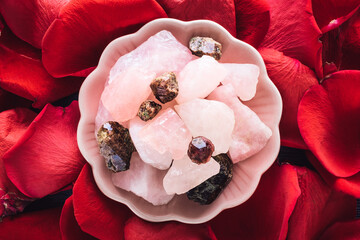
(266, 103)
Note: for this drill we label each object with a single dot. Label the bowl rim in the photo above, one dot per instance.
(99, 70)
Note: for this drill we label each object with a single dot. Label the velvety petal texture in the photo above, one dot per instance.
(46, 158)
(41, 225)
(138, 229)
(70, 230)
(292, 80)
(266, 214)
(221, 12)
(22, 73)
(252, 20)
(318, 207)
(294, 32)
(106, 219)
(328, 117)
(9, 100)
(349, 230)
(76, 39)
(30, 19)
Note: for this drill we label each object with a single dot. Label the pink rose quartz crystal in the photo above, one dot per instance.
(250, 134)
(184, 175)
(211, 119)
(243, 77)
(144, 181)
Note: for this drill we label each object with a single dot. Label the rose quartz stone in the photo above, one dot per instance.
(199, 78)
(124, 95)
(147, 153)
(102, 116)
(160, 53)
(250, 134)
(167, 132)
(243, 77)
(184, 175)
(211, 119)
(144, 181)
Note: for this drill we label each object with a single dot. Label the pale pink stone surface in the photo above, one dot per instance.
(147, 153)
(250, 134)
(199, 78)
(184, 175)
(244, 79)
(167, 132)
(160, 53)
(144, 181)
(211, 119)
(124, 95)
(102, 116)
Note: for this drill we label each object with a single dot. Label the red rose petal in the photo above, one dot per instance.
(13, 124)
(292, 80)
(46, 158)
(32, 225)
(330, 14)
(328, 118)
(75, 40)
(22, 73)
(342, 230)
(252, 20)
(70, 230)
(10, 101)
(138, 229)
(294, 32)
(222, 12)
(97, 214)
(351, 46)
(30, 19)
(265, 215)
(317, 207)
(349, 185)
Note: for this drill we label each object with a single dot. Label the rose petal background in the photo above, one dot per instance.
(47, 150)
(292, 79)
(342, 230)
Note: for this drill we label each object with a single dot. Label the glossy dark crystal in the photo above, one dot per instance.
(115, 146)
(165, 87)
(200, 46)
(148, 110)
(200, 150)
(206, 192)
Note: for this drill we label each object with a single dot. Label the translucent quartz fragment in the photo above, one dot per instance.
(211, 119)
(199, 78)
(200, 46)
(102, 116)
(159, 54)
(122, 98)
(184, 175)
(167, 132)
(250, 134)
(144, 181)
(147, 153)
(243, 77)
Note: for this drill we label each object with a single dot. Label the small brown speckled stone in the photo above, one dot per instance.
(115, 146)
(200, 46)
(148, 110)
(165, 87)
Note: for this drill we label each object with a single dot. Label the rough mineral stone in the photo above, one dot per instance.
(160, 53)
(200, 150)
(184, 175)
(147, 153)
(148, 110)
(211, 119)
(250, 134)
(243, 77)
(199, 78)
(200, 46)
(167, 133)
(115, 146)
(209, 190)
(102, 116)
(144, 181)
(165, 87)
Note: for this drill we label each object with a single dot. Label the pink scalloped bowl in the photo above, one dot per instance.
(266, 103)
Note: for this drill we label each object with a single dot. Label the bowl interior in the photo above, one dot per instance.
(266, 103)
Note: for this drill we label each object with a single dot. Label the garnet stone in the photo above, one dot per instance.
(200, 150)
